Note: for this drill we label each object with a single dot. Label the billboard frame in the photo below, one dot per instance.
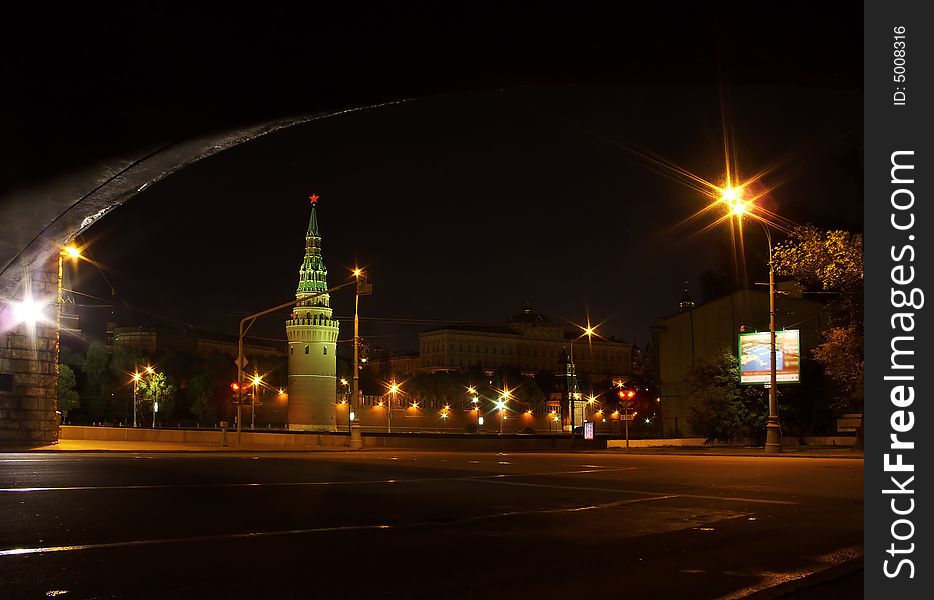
(782, 376)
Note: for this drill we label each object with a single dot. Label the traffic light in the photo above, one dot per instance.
(235, 388)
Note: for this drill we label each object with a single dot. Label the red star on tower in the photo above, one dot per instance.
(313, 198)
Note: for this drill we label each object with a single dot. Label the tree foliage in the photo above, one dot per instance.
(157, 388)
(68, 398)
(841, 354)
(826, 261)
(201, 398)
(832, 262)
(721, 409)
(97, 380)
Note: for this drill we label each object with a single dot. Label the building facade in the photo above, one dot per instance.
(701, 333)
(312, 334)
(529, 342)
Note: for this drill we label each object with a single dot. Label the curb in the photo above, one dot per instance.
(796, 587)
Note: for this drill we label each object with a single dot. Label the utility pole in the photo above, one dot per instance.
(363, 289)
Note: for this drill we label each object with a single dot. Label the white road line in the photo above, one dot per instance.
(76, 488)
(636, 492)
(264, 534)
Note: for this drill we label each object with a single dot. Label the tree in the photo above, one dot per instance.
(97, 375)
(831, 262)
(722, 409)
(201, 397)
(157, 388)
(68, 398)
(124, 362)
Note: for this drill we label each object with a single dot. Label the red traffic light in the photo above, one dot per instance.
(235, 386)
(630, 394)
(621, 394)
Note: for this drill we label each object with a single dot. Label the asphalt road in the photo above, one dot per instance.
(404, 524)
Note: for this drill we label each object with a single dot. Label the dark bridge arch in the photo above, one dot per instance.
(37, 223)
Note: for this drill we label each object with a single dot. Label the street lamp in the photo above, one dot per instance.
(573, 392)
(136, 378)
(257, 379)
(476, 404)
(773, 430)
(362, 289)
(393, 389)
(501, 405)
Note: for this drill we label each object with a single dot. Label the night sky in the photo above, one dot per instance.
(518, 172)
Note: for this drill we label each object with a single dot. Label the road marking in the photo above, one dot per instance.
(81, 488)
(264, 534)
(200, 538)
(635, 492)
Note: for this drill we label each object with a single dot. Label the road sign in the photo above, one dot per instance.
(238, 361)
(630, 417)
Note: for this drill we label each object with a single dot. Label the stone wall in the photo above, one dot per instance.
(29, 363)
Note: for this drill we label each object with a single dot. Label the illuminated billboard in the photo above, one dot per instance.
(755, 353)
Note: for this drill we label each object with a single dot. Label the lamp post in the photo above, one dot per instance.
(503, 399)
(573, 393)
(356, 345)
(362, 289)
(773, 430)
(345, 384)
(476, 404)
(136, 378)
(393, 388)
(257, 379)
(590, 400)
(155, 403)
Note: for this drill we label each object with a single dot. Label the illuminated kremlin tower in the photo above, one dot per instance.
(312, 337)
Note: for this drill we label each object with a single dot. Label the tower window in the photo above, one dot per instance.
(306, 349)
(291, 349)
(325, 350)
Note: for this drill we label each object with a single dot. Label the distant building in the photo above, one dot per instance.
(701, 332)
(529, 342)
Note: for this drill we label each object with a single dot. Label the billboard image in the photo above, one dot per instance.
(755, 351)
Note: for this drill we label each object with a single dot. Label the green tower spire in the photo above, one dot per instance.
(312, 275)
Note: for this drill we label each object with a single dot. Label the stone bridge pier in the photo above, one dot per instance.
(29, 360)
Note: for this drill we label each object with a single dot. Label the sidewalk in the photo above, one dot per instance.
(120, 446)
(70, 445)
(793, 451)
